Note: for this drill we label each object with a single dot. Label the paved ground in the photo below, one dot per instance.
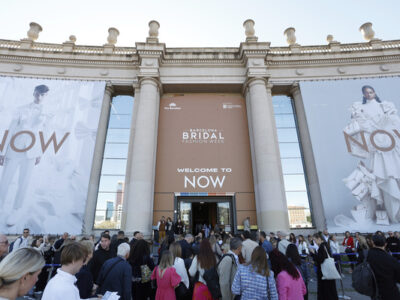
(347, 288)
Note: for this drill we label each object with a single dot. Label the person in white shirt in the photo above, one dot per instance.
(334, 244)
(246, 224)
(179, 264)
(19, 272)
(283, 243)
(248, 246)
(62, 285)
(303, 246)
(325, 235)
(22, 241)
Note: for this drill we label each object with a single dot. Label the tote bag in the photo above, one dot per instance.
(328, 268)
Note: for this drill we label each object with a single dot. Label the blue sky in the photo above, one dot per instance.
(202, 23)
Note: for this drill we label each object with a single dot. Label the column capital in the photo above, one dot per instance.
(150, 80)
(295, 88)
(109, 88)
(254, 81)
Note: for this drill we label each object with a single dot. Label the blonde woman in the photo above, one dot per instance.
(19, 272)
(166, 276)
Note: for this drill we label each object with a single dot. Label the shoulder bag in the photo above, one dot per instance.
(328, 268)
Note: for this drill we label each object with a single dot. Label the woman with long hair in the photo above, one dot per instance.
(292, 239)
(302, 246)
(294, 257)
(289, 282)
(166, 276)
(205, 260)
(19, 272)
(179, 264)
(326, 288)
(255, 280)
(361, 247)
(141, 264)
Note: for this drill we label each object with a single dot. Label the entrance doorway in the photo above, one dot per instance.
(203, 213)
(212, 211)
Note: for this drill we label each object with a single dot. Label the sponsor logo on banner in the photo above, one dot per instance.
(230, 106)
(202, 136)
(172, 106)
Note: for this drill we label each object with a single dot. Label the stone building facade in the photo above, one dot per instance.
(250, 74)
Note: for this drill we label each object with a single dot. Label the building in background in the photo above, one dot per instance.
(215, 135)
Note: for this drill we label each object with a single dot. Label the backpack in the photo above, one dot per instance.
(364, 280)
(225, 255)
(11, 247)
(212, 280)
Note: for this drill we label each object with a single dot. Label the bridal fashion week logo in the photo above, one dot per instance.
(202, 136)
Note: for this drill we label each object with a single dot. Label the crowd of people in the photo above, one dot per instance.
(250, 265)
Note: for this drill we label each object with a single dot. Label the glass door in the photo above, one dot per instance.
(185, 210)
(224, 216)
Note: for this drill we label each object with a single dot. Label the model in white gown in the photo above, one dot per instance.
(375, 181)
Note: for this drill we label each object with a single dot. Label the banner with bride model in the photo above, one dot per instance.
(355, 134)
(47, 136)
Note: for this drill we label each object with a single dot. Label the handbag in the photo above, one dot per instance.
(181, 291)
(145, 273)
(328, 268)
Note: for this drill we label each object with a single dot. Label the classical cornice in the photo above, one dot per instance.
(341, 60)
(306, 55)
(61, 60)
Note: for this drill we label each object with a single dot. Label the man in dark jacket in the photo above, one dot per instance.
(116, 274)
(393, 244)
(100, 256)
(137, 235)
(386, 269)
(61, 241)
(119, 241)
(186, 246)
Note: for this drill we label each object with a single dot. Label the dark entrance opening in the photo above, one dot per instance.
(203, 213)
(195, 211)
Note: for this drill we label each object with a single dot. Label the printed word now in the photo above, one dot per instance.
(203, 182)
(31, 135)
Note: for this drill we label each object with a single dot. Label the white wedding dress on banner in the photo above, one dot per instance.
(374, 182)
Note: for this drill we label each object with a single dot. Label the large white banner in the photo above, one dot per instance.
(355, 133)
(47, 136)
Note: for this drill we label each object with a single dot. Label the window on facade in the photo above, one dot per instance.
(112, 180)
(292, 163)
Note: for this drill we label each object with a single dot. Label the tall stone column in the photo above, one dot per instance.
(308, 157)
(90, 210)
(138, 211)
(272, 213)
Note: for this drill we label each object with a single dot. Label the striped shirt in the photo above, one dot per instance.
(253, 286)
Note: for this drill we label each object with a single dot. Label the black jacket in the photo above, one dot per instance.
(116, 276)
(97, 261)
(186, 249)
(387, 273)
(84, 282)
(393, 244)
